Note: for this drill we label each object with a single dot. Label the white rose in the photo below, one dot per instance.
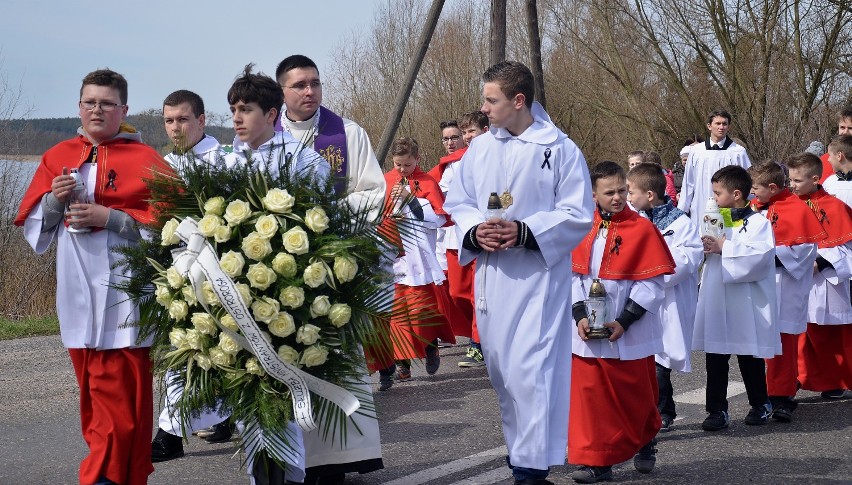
(314, 275)
(316, 220)
(265, 309)
(345, 268)
(220, 358)
(209, 295)
(232, 263)
(174, 278)
(314, 355)
(177, 337)
(296, 241)
(178, 310)
(188, 293)
(203, 361)
(223, 234)
(164, 295)
(278, 200)
(195, 339)
(288, 354)
(245, 292)
(168, 235)
(261, 276)
(320, 306)
(282, 325)
(204, 323)
(307, 334)
(254, 367)
(339, 314)
(266, 226)
(208, 225)
(228, 322)
(284, 264)
(227, 344)
(292, 297)
(256, 247)
(237, 212)
(215, 206)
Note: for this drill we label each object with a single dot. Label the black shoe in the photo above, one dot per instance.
(646, 458)
(385, 382)
(716, 421)
(222, 432)
(834, 394)
(782, 415)
(592, 474)
(332, 479)
(166, 447)
(668, 422)
(533, 481)
(433, 359)
(759, 415)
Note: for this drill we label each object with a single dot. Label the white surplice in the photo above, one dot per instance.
(842, 189)
(794, 281)
(419, 265)
(828, 303)
(207, 151)
(700, 167)
(737, 308)
(272, 155)
(523, 296)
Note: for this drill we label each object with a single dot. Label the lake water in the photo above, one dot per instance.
(15, 177)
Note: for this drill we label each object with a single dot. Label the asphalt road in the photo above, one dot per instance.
(443, 429)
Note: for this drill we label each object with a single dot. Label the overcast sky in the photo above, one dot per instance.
(47, 46)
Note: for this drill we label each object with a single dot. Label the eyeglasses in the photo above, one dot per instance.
(447, 139)
(302, 87)
(106, 106)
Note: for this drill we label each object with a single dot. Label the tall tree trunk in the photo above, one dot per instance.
(410, 77)
(498, 31)
(535, 50)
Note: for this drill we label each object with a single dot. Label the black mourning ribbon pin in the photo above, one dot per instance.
(546, 159)
(111, 179)
(416, 186)
(745, 223)
(670, 232)
(617, 245)
(774, 219)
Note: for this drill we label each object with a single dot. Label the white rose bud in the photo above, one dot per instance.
(208, 225)
(320, 306)
(307, 334)
(285, 265)
(178, 310)
(209, 295)
(288, 354)
(296, 241)
(245, 292)
(266, 226)
(345, 268)
(232, 263)
(316, 219)
(203, 361)
(223, 234)
(292, 297)
(254, 367)
(164, 295)
(195, 339)
(278, 200)
(260, 276)
(265, 309)
(227, 344)
(339, 314)
(204, 323)
(220, 358)
(215, 206)
(177, 337)
(228, 322)
(314, 355)
(314, 275)
(174, 278)
(188, 293)
(282, 325)
(168, 235)
(256, 247)
(237, 212)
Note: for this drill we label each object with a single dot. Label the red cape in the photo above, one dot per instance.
(133, 163)
(827, 169)
(438, 170)
(793, 222)
(635, 249)
(421, 185)
(834, 215)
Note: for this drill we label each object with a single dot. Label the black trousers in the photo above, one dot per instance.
(753, 371)
(665, 403)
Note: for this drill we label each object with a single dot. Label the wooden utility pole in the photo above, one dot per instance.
(410, 77)
(535, 50)
(498, 31)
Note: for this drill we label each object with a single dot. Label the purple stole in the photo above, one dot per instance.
(330, 143)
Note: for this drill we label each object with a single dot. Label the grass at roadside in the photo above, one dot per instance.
(28, 327)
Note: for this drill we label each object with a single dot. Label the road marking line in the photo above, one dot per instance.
(698, 396)
(456, 466)
(488, 478)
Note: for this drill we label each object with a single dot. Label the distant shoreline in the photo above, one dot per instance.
(22, 158)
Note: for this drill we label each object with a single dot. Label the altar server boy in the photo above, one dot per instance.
(839, 184)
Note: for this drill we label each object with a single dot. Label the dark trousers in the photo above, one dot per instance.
(753, 371)
(665, 403)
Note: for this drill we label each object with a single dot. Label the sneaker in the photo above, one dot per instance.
(533, 481)
(833, 394)
(201, 433)
(166, 447)
(433, 360)
(716, 421)
(646, 458)
(782, 415)
(443, 344)
(386, 382)
(759, 415)
(592, 474)
(402, 373)
(473, 358)
(668, 422)
(222, 432)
